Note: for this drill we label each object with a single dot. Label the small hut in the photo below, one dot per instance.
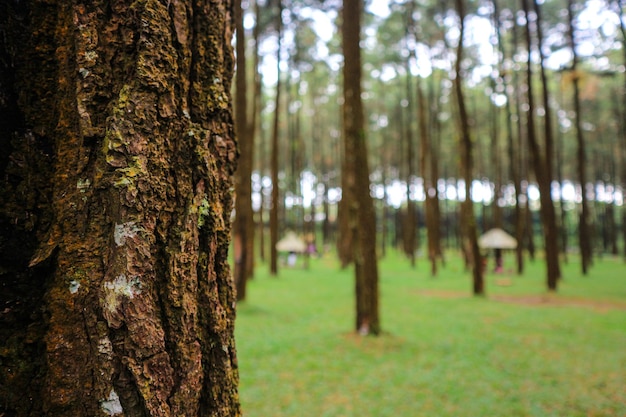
(292, 245)
(497, 239)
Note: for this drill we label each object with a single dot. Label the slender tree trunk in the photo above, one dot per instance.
(517, 161)
(542, 172)
(261, 214)
(362, 206)
(428, 164)
(385, 211)
(255, 130)
(430, 182)
(243, 226)
(584, 235)
(513, 156)
(559, 175)
(115, 209)
(274, 154)
(409, 224)
(548, 138)
(434, 152)
(621, 7)
(260, 132)
(469, 219)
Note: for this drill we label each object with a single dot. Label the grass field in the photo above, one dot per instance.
(517, 352)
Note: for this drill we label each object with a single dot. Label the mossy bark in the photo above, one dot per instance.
(116, 204)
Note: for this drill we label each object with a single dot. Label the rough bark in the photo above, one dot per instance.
(117, 297)
(469, 219)
(361, 205)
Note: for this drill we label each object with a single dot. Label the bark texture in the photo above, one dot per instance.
(115, 205)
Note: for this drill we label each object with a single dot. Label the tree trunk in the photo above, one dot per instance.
(243, 226)
(434, 152)
(542, 172)
(621, 6)
(560, 150)
(549, 146)
(430, 182)
(517, 162)
(115, 205)
(275, 207)
(410, 223)
(345, 240)
(469, 219)
(584, 235)
(254, 132)
(360, 205)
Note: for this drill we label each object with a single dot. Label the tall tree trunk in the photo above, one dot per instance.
(115, 209)
(243, 226)
(621, 7)
(560, 149)
(434, 152)
(430, 182)
(345, 240)
(409, 224)
(584, 235)
(512, 153)
(361, 204)
(469, 219)
(275, 207)
(542, 173)
(259, 131)
(548, 136)
(518, 163)
(254, 131)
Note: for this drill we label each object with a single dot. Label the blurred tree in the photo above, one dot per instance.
(359, 202)
(468, 216)
(243, 224)
(276, 204)
(541, 166)
(584, 235)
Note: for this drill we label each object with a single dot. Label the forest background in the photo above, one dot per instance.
(543, 86)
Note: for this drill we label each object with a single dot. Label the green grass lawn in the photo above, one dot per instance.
(517, 352)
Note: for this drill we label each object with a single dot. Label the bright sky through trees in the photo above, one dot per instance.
(595, 20)
(596, 26)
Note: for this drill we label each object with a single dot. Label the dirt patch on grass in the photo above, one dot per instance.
(542, 300)
(448, 294)
(554, 300)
